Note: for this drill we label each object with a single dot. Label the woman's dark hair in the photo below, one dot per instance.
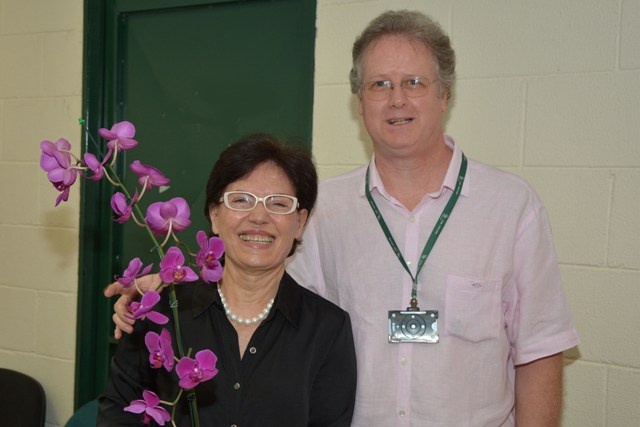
(242, 157)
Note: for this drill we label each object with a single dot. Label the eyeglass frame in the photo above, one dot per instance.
(225, 199)
(389, 85)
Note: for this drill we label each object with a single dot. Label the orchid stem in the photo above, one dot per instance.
(113, 178)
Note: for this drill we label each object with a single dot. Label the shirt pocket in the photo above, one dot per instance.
(472, 308)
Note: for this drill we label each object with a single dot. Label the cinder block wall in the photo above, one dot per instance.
(551, 91)
(546, 89)
(40, 98)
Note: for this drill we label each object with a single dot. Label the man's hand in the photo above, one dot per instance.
(121, 316)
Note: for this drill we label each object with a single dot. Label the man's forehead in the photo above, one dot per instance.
(382, 57)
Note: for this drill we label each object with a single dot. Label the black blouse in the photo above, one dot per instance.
(299, 368)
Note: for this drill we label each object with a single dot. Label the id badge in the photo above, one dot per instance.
(414, 326)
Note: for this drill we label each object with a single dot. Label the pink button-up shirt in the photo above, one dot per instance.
(492, 276)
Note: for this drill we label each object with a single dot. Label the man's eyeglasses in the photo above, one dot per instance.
(243, 201)
(379, 90)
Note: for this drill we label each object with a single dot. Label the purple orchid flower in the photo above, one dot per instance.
(150, 407)
(160, 349)
(164, 217)
(120, 136)
(95, 165)
(194, 371)
(121, 207)
(144, 308)
(172, 269)
(56, 161)
(208, 257)
(64, 192)
(132, 272)
(149, 176)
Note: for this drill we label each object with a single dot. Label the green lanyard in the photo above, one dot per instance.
(435, 233)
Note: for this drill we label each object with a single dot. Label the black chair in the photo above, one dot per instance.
(22, 400)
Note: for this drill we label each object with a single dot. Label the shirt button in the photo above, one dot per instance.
(403, 361)
(401, 413)
(252, 350)
(236, 386)
(412, 218)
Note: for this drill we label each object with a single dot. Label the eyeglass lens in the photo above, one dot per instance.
(381, 89)
(275, 203)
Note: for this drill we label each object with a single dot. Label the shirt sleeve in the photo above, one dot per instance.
(540, 323)
(333, 392)
(126, 382)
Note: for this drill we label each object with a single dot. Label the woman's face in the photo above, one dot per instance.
(257, 240)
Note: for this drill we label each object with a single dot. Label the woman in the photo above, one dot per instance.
(285, 355)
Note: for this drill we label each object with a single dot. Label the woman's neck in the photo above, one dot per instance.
(247, 295)
(245, 291)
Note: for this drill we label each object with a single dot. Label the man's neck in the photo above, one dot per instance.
(410, 178)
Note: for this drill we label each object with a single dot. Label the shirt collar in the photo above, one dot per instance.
(450, 178)
(286, 302)
(203, 296)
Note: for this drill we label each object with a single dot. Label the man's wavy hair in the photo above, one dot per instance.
(414, 26)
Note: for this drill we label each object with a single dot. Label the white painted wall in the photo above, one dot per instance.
(40, 98)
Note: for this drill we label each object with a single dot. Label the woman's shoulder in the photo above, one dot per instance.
(196, 296)
(311, 303)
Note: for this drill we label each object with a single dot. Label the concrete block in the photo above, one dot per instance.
(66, 214)
(534, 38)
(56, 315)
(584, 395)
(577, 201)
(486, 119)
(325, 172)
(339, 137)
(63, 64)
(18, 308)
(630, 35)
(623, 397)
(18, 186)
(57, 378)
(2, 121)
(55, 375)
(29, 121)
(583, 120)
(40, 258)
(30, 16)
(624, 235)
(604, 309)
(21, 66)
(337, 27)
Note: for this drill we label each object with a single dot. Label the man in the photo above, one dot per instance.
(492, 275)
(428, 235)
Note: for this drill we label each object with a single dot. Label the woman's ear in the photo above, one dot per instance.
(213, 216)
(303, 216)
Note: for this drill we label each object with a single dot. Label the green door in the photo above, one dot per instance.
(193, 76)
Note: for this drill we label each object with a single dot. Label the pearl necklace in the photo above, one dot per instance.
(246, 322)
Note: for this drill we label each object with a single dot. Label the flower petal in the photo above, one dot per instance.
(157, 318)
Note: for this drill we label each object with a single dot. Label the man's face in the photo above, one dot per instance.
(401, 125)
